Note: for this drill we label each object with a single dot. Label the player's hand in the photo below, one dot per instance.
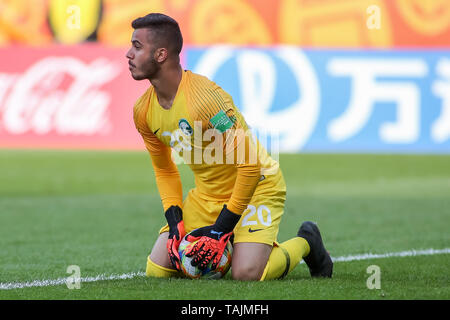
(212, 240)
(174, 217)
(210, 246)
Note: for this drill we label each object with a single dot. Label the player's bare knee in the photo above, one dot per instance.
(159, 253)
(248, 272)
(249, 261)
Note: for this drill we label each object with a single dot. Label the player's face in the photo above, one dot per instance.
(141, 60)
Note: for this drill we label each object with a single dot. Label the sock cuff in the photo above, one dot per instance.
(288, 262)
(263, 277)
(155, 270)
(287, 265)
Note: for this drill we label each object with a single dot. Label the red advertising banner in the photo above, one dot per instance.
(68, 97)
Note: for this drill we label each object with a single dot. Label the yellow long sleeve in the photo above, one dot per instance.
(167, 176)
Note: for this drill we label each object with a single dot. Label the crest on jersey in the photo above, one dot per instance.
(185, 127)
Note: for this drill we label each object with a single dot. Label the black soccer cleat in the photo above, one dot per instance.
(318, 260)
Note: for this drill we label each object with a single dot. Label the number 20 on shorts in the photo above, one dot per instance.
(250, 220)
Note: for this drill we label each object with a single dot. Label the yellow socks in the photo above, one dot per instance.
(157, 271)
(284, 258)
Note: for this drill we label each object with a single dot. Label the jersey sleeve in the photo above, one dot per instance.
(217, 112)
(167, 176)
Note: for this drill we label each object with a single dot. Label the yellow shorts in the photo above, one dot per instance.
(259, 222)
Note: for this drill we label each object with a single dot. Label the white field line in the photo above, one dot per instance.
(410, 253)
(60, 281)
(131, 275)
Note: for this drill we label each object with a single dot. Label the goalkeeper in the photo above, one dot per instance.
(239, 189)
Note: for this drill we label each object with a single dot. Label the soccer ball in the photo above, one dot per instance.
(194, 272)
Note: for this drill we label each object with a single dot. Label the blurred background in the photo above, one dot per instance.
(323, 75)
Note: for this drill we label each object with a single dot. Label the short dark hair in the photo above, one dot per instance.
(164, 27)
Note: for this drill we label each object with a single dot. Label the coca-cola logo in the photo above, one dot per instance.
(57, 94)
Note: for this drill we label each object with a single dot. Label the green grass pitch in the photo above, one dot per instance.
(101, 211)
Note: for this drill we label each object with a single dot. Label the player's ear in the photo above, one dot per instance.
(161, 54)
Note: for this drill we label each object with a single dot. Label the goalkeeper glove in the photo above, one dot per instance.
(174, 217)
(212, 240)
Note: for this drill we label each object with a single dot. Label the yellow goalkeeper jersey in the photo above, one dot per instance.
(205, 129)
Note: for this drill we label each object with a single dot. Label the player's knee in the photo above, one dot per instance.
(246, 272)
